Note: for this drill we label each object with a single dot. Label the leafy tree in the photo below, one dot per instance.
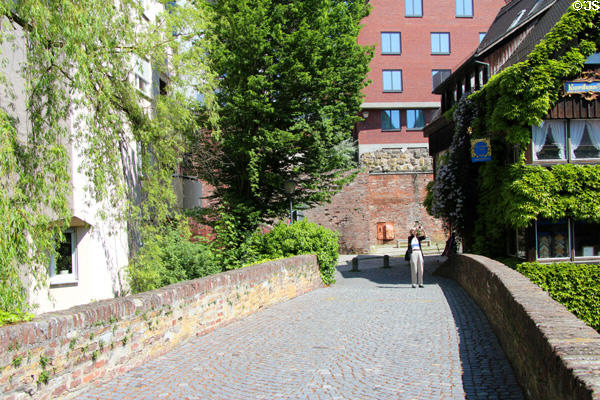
(78, 63)
(290, 75)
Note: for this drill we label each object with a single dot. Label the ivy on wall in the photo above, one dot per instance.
(513, 196)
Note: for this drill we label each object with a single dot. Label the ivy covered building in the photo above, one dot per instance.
(529, 93)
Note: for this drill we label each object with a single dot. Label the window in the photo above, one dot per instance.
(390, 120)
(440, 43)
(516, 20)
(413, 8)
(392, 80)
(586, 238)
(464, 8)
(391, 43)
(553, 141)
(63, 265)
(585, 139)
(481, 36)
(142, 72)
(439, 75)
(415, 119)
(549, 140)
(553, 239)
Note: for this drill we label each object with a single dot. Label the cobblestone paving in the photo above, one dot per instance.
(370, 336)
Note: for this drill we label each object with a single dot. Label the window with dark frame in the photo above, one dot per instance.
(390, 120)
(413, 8)
(415, 119)
(392, 80)
(440, 43)
(482, 36)
(439, 75)
(464, 8)
(391, 43)
(63, 264)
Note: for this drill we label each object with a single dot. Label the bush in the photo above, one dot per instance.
(576, 286)
(301, 237)
(169, 257)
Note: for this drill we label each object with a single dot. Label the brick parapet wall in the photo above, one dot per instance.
(554, 354)
(78, 346)
(372, 198)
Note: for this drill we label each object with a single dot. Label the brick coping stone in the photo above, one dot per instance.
(554, 354)
(58, 354)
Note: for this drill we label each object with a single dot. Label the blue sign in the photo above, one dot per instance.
(481, 150)
(582, 87)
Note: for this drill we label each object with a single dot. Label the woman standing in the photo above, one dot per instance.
(416, 255)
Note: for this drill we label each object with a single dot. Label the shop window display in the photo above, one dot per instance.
(553, 239)
(586, 239)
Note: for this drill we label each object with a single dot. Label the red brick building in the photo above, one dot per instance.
(417, 43)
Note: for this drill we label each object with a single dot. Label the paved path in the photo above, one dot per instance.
(370, 336)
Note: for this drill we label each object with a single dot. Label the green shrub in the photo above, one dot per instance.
(8, 317)
(301, 237)
(169, 257)
(576, 286)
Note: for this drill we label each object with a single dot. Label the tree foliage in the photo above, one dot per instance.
(79, 98)
(290, 75)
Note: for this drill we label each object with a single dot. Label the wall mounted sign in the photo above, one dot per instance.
(582, 87)
(481, 150)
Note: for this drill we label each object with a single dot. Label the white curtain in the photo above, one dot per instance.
(558, 134)
(594, 131)
(577, 130)
(539, 134)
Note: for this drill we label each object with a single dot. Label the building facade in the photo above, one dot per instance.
(417, 44)
(92, 259)
(557, 219)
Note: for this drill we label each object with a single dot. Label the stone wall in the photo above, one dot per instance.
(398, 160)
(372, 198)
(57, 354)
(555, 355)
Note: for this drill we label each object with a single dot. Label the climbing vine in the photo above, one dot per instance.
(513, 196)
(75, 62)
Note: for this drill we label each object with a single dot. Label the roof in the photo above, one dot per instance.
(511, 18)
(542, 26)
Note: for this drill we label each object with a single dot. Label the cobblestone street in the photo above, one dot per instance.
(369, 336)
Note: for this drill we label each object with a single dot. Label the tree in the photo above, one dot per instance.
(78, 64)
(290, 75)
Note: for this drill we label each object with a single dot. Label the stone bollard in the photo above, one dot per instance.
(386, 261)
(354, 264)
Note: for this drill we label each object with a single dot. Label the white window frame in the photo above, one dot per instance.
(567, 156)
(142, 75)
(73, 277)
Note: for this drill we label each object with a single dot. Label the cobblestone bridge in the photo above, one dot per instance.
(370, 336)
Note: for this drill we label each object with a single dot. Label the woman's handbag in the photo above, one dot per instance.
(407, 254)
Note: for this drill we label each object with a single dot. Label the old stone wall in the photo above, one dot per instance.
(372, 198)
(57, 354)
(398, 160)
(555, 355)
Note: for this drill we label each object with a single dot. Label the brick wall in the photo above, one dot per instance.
(554, 354)
(373, 198)
(75, 347)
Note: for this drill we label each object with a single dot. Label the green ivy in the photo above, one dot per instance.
(576, 286)
(513, 196)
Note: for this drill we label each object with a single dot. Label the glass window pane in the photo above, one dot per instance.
(435, 43)
(440, 43)
(553, 239)
(415, 119)
(386, 46)
(587, 239)
(464, 8)
(390, 120)
(395, 39)
(392, 80)
(414, 8)
(549, 140)
(439, 75)
(585, 139)
(481, 36)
